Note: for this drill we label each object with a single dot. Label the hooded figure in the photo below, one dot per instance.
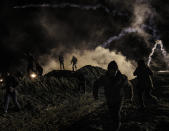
(144, 85)
(113, 82)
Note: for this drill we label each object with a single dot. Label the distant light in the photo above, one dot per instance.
(33, 75)
(1, 80)
(164, 71)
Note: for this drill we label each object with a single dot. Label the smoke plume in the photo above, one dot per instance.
(141, 13)
(97, 57)
(64, 27)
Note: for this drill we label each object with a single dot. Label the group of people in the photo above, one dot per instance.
(114, 83)
(10, 80)
(35, 67)
(73, 62)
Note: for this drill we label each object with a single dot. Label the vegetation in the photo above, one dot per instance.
(55, 103)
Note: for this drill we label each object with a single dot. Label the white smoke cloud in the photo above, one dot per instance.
(119, 36)
(142, 12)
(98, 57)
(163, 51)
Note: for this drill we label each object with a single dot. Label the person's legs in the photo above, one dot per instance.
(63, 66)
(140, 99)
(75, 67)
(72, 68)
(60, 66)
(116, 120)
(7, 100)
(14, 98)
(113, 123)
(148, 94)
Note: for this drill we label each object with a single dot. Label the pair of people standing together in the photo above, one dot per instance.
(114, 83)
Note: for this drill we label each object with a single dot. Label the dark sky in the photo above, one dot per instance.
(41, 29)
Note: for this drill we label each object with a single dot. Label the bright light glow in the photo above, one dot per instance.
(1, 80)
(33, 75)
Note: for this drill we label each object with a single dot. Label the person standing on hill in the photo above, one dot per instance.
(61, 61)
(74, 63)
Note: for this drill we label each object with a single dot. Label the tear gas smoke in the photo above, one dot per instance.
(64, 5)
(73, 5)
(142, 11)
(158, 42)
(119, 36)
(98, 57)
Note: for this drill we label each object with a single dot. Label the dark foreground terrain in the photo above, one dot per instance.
(56, 103)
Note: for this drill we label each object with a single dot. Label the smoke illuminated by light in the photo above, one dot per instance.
(142, 11)
(158, 42)
(119, 36)
(98, 57)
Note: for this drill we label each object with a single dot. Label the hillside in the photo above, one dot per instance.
(50, 102)
(54, 102)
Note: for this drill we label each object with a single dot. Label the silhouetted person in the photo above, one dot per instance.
(74, 63)
(61, 61)
(113, 82)
(31, 63)
(10, 85)
(145, 84)
(39, 69)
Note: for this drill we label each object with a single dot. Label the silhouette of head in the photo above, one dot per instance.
(112, 67)
(141, 63)
(61, 53)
